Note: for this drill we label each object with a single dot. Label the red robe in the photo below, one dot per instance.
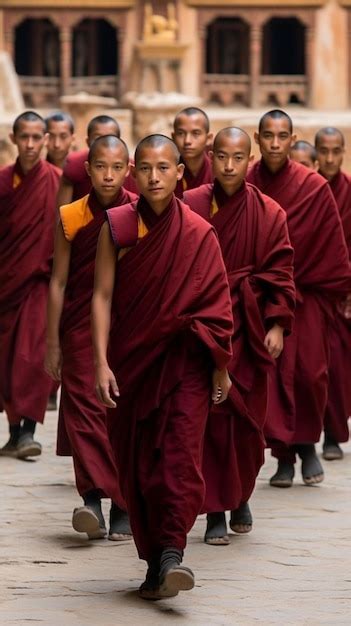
(27, 218)
(299, 389)
(339, 399)
(75, 173)
(254, 239)
(172, 323)
(189, 181)
(82, 429)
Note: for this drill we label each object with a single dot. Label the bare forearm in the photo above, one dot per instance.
(54, 312)
(100, 322)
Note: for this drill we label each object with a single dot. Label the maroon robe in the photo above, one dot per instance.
(82, 429)
(75, 173)
(189, 181)
(299, 389)
(254, 239)
(172, 324)
(27, 218)
(339, 398)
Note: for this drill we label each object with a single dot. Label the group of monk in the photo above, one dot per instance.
(194, 306)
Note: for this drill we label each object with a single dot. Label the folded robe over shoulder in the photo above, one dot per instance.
(298, 394)
(27, 219)
(82, 429)
(172, 324)
(254, 239)
(75, 173)
(339, 397)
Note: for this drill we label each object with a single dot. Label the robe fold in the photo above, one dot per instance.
(75, 173)
(339, 397)
(82, 429)
(189, 181)
(27, 219)
(299, 385)
(254, 240)
(172, 324)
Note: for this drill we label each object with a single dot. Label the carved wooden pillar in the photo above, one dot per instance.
(309, 68)
(255, 67)
(65, 59)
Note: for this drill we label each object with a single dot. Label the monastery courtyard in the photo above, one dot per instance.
(294, 568)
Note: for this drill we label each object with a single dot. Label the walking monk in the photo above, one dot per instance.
(192, 136)
(60, 129)
(159, 268)
(330, 146)
(254, 239)
(27, 217)
(299, 389)
(75, 182)
(305, 153)
(69, 356)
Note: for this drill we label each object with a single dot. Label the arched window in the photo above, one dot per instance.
(95, 49)
(37, 48)
(284, 47)
(227, 47)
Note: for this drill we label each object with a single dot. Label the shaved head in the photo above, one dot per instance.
(232, 132)
(103, 120)
(329, 131)
(307, 147)
(275, 114)
(156, 141)
(191, 112)
(27, 116)
(107, 141)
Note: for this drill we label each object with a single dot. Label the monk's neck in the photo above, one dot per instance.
(194, 165)
(275, 169)
(27, 167)
(330, 179)
(60, 163)
(161, 206)
(107, 202)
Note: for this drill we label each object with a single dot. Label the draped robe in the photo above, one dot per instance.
(27, 218)
(189, 181)
(299, 387)
(172, 324)
(254, 240)
(82, 429)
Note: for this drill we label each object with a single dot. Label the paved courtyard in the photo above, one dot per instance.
(294, 568)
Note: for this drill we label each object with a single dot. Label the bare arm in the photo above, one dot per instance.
(65, 192)
(105, 268)
(56, 298)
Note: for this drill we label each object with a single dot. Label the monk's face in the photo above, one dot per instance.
(230, 161)
(30, 138)
(303, 157)
(59, 141)
(275, 140)
(330, 152)
(101, 130)
(190, 136)
(157, 173)
(107, 170)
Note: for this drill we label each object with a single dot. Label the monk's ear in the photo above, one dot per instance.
(87, 142)
(133, 170)
(211, 155)
(251, 158)
(257, 138)
(87, 167)
(173, 136)
(13, 138)
(209, 141)
(180, 171)
(316, 165)
(293, 139)
(46, 139)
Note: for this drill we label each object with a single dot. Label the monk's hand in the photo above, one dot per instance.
(105, 384)
(345, 308)
(53, 362)
(274, 341)
(221, 385)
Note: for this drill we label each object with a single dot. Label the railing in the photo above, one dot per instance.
(94, 85)
(226, 89)
(40, 91)
(283, 89)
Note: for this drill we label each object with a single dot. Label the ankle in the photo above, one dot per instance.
(28, 426)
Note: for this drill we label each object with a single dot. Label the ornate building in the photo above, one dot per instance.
(248, 53)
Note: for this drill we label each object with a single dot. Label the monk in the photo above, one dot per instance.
(305, 153)
(75, 182)
(191, 134)
(69, 353)
(160, 272)
(60, 129)
(27, 216)
(254, 239)
(299, 389)
(330, 147)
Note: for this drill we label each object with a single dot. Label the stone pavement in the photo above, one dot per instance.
(294, 568)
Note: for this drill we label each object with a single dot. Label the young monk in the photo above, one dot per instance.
(27, 217)
(305, 153)
(60, 129)
(330, 146)
(160, 272)
(69, 355)
(75, 182)
(298, 393)
(192, 136)
(254, 239)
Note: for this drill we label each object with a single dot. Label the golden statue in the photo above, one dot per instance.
(158, 28)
